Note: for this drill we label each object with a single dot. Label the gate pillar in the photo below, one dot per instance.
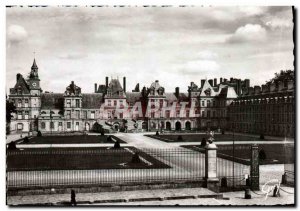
(211, 179)
(254, 172)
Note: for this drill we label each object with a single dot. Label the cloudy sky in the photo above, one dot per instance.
(170, 44)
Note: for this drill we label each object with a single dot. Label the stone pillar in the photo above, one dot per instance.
(254, 167)
(211, 179)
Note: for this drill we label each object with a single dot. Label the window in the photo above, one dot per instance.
(85, 114)
(19, 103)
(177, 113)
(202, 102)
(68, 103)
(203, 114)
(109, 114)
(214, 103)
(68, 114)
(43, 125)
(69, 125)
(26, 103)
(60, 124)
(187, 113)
(19, 114)
(121, 115)
(152, 114)
(26, 114)
(161, 103)
(109, 103)
(92, 114)
(52, 125)
(167, 114)
(208, 103)
(78, 114)
(214, 114)
(115, 103)
(77, 103)
(208, 114)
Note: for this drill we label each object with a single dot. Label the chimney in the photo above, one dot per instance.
(272, 87)
(247, 83)
(177, 92)
(280, 86)
(231, 80)
(221, 80)
(18, 76)
(238, 87)
(95, 87)
(202, 82)
(106, 81)
(225, 80)
(251, 91)
(215, 82)
(124, 84)
(210, 81)
(290, 84)
(257, 90)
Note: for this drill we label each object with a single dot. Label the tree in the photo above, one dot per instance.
(39, 133)
(10, 108)
(262, 156)
(283, 75)
(97, 128)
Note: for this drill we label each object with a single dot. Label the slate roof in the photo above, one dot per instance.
(52, 100)
(93, 101)
(132, 97)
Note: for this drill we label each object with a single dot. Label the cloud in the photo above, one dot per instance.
(252, 10)
(198, 66)
(248, 33)
(207, 55)
(72, 56)
(16, 34)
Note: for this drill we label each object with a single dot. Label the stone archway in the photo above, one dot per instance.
(177, 126)
(168, 126)
(188, 125)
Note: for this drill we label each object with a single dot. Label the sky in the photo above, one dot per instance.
(175, 45)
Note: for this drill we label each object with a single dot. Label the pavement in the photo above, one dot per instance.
(140, 141)
(158, 197)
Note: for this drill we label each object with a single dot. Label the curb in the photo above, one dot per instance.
(67, 203)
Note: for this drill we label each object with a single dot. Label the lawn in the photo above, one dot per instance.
(30, 159)
(198, 138)
(275, 153)
(75, 139)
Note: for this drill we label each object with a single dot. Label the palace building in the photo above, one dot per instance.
(202, 107)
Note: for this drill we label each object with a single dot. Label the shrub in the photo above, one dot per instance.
(157, 133)
(136, 158)
(39, 133)
(109, 139)
(203, 142)
(262, 137)
(224, 182)
(97, 128)
(179, 138)
(262, 155)
(117, 145)
(26, 140)
(12, 146)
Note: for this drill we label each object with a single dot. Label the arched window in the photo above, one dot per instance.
(43, 125)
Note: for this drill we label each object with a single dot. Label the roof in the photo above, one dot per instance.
(52, 101)
(133, 97)
(34, 66)
(21, 84)
(228, 92)
(92, 100)
(115, 85)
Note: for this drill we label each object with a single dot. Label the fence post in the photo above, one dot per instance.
(211, 179)
(254, 167)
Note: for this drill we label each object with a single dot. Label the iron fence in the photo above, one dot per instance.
(64, 166)
(233, 166)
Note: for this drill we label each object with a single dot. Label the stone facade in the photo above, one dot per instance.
(200, 108)
(267, 110)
